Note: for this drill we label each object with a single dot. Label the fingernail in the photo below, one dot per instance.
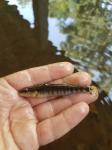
(68, 66)
(83, 108)
(85, 78)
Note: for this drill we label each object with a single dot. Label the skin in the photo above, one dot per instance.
(27, 124)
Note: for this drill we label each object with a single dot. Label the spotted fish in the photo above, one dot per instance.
(52, 90)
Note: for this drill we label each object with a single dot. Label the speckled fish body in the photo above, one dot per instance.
(49, 90)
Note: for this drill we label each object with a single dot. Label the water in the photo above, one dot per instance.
(76, 31)
(76, 37)
(87, 27)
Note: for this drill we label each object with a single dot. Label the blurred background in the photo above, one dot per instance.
(38, 32)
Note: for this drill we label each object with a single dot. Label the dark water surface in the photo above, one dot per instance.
(38, 32)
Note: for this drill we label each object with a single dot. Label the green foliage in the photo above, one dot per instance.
(58, 7)
(89, 35)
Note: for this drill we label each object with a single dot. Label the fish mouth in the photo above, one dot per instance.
(94, 91)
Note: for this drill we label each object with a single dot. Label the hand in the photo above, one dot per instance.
(26, 124)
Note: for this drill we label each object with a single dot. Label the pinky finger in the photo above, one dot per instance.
(55, 127)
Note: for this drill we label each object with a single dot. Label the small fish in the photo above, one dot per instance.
(51, 90)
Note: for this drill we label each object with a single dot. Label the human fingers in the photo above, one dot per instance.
(39, 75)
(51, 108)
(80, 78)
(55, 127)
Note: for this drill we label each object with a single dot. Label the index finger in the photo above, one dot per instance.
(39, 75)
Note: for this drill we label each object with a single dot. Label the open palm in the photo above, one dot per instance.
(26, 124)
